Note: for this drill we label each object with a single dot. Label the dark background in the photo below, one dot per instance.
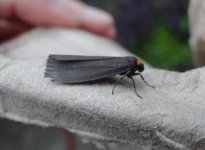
(155, 30)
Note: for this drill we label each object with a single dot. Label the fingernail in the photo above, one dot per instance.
(69, 10)
(92, 14)
(98, 21)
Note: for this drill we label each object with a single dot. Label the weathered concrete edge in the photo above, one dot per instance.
(45, 120)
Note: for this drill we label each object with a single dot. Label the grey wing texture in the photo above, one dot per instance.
(79, 57)
(85, 70)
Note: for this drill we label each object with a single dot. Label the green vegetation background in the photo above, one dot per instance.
(164, 49)
(158, 44)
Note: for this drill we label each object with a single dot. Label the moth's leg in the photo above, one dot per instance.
(143, 79)
(135, 86)
(118, 83)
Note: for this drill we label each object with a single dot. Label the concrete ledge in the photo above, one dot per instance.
(171, 115)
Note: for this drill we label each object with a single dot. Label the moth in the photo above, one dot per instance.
(79, 69)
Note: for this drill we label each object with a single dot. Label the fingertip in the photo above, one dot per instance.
(68, 14)
(98, 21)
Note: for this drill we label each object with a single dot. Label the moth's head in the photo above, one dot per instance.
(139, 65)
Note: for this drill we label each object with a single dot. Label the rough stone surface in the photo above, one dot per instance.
(197, 30)
(171, 116)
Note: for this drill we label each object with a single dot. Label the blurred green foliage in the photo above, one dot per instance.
(164, 49)
(155, 30)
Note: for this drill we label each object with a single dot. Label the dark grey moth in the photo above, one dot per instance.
(79, 69)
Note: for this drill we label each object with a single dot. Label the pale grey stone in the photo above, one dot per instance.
(197, 30)
(171, 116)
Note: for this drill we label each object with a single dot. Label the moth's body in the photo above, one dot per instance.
(78, 69)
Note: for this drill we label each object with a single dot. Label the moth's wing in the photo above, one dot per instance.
(85, 70)
(79, 57)
(76, 78)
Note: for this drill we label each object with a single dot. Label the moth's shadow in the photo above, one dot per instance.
(112, 81)
(106, 81)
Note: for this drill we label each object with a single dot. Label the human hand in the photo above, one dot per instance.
(17, 16)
